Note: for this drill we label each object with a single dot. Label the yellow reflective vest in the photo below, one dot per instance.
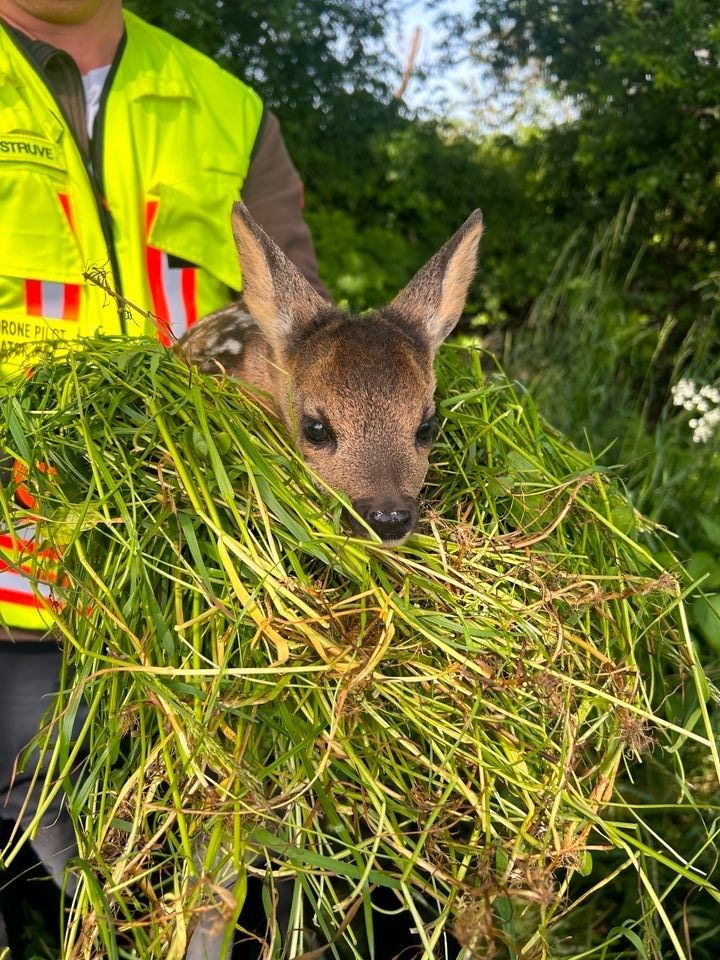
(147, 215)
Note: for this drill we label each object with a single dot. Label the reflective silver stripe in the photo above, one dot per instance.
(18, 547)
(20, 538)
(23, 533)
(10, 580)
(172, 285)
(53, 299)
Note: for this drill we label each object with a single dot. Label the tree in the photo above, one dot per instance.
(383, 189)
(299, 53)
(645, 75)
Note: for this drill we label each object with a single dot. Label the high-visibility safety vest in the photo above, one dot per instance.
(171, 149)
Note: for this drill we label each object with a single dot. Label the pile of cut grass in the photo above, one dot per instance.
(259, 694)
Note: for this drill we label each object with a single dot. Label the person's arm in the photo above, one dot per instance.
(273, 193)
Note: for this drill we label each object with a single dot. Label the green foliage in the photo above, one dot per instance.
(590, 359)
(407, 187)
(444, 720)
(383, 189)
(300, 55)
(630, 312)
(645, 78)
(589, 354)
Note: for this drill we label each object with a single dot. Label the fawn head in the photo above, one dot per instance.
(355, 392)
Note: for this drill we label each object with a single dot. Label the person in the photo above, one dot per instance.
(121, 150)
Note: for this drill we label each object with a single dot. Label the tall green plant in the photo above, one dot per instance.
(596, 362)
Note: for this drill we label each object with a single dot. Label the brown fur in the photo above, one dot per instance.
(368, 379)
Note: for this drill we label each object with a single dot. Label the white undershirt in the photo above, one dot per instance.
(93, 82)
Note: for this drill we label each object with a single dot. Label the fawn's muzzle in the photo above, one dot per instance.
(392, 522)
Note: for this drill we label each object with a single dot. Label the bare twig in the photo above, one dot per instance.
(409, 63)
(98, 277)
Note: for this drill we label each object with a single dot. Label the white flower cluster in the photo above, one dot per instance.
(704, 400)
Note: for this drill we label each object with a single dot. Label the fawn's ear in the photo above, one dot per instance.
(281, 301)
(435, 297)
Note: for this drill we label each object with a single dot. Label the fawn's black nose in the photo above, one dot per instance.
(393, 520)
(390, 524)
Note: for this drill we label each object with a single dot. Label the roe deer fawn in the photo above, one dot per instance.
(355, 392)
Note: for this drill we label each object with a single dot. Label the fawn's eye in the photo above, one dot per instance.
(425, 431)
(316, 431)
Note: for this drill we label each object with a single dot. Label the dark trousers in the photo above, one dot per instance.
(29, 673)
